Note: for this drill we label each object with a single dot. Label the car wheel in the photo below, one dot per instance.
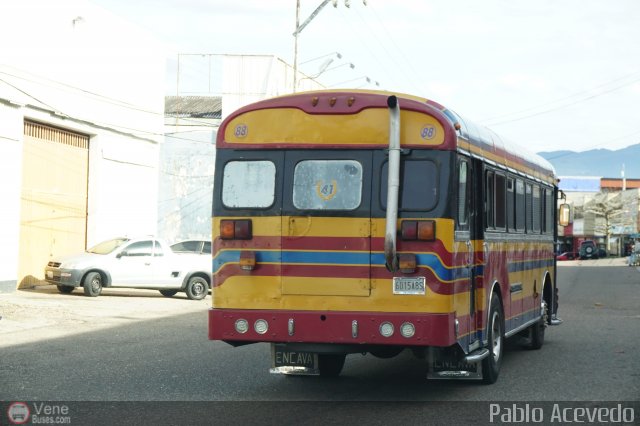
(92, 284)
(168, 293)
(537, 329)
(65, 289)
(197, 288)
(495, 334)
(330, 365)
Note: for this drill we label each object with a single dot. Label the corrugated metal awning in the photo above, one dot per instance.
(193, 106)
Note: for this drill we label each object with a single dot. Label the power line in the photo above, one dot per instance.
(397, 48)
(106, 126)
(103, 98)
(584, 99)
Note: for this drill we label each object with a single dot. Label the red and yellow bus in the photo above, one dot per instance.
(362, 222)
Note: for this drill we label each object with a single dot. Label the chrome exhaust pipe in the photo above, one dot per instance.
(393, 185)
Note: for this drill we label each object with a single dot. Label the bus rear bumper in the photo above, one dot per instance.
(237, 327)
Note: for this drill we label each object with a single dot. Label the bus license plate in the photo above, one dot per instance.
(287, 358)
(409, 285)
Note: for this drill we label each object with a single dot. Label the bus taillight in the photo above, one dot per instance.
(236, 229)
(423, 230)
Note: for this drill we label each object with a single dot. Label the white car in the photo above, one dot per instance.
(147, 263)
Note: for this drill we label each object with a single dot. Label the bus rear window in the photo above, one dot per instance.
(327, 185)
(248, 184)
(418, 185)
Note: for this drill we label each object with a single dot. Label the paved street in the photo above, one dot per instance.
(156, 349)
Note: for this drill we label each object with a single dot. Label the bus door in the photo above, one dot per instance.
(468, 231)
(326, 223)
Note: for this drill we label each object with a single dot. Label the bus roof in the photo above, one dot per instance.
(325, 119)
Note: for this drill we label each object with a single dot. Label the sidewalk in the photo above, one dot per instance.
(605, 261)
(42, 313)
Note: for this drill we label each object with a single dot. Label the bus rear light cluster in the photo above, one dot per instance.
(386, 329)
(236, 229)
(260, 326)
(407, 329)
(423, 230)
(241, 326)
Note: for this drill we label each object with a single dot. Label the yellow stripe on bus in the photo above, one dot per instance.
(367, 127)
(263, 292)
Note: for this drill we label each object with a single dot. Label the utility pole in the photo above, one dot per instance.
(300, 27)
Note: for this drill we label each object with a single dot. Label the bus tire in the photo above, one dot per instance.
(92, 284)
(537, 329)
(495, 334)
(168, 293)
(197, 288)
(330, 365)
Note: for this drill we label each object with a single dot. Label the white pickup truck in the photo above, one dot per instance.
(147, 263)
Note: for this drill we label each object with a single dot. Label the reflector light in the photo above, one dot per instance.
(241, 326)
(314, 101)
(386, 329)
(261, 326)
(247, 260)
(350, 101)
(407, 330)
(332, 101)
(407, 263)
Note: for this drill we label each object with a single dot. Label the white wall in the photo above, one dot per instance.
(10, 175)
(186, 184)
(71, 64)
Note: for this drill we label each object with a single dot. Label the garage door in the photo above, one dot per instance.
(53, 218)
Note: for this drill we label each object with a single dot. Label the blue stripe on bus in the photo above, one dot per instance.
(428, 260)
(339, 258)
(529, 264)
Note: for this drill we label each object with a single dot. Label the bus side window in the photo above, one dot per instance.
(511, 205)
(462, 215)
(489, 206)
(520, 205)
(500, 202)
(529, 207)
(537, 209)
(549, 205)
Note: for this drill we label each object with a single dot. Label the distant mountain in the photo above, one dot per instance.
(596, 162)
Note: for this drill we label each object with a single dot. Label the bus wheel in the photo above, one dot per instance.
(330, 365)
(537, 329)
(495, 333)
(92, 284)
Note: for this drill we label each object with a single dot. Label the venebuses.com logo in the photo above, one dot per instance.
(18, 413)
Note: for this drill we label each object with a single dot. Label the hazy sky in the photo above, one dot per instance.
(548, 74)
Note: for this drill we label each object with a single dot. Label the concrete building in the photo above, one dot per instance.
(81, 119)
(605, 210)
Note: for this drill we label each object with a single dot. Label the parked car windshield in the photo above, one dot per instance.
(108, 246)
